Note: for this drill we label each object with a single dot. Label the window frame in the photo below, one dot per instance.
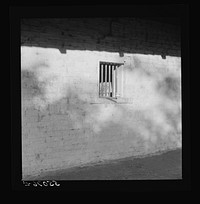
(116, 65)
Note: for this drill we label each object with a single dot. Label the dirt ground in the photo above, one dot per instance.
(167, 165)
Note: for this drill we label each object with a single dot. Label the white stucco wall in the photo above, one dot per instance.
(65, 123)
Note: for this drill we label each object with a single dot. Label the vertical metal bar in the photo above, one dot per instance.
(99, 86)
(122, 81)
(116, 66)
(109, 80)
(101, 80)
(106, 80)
(113, 81)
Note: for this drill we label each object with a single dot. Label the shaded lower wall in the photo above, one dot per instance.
(65, 123)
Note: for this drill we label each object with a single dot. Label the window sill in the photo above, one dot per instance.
(110, 100)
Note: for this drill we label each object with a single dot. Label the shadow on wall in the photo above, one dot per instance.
(103, 34)
(153, 118)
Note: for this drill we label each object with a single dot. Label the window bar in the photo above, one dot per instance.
(109, 80)
(113, 81)
(116, 80)
(101, 93)
(99, 79)
(111, 91)
(105, 80)
(122, 79)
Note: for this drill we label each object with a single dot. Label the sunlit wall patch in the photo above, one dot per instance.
(149, 85)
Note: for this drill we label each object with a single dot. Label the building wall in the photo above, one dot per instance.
(65, 123)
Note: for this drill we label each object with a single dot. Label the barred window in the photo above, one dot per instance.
(108, 79)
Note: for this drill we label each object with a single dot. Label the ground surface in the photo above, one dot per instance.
(164, 166)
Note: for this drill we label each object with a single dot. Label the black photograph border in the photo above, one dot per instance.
(17, 12)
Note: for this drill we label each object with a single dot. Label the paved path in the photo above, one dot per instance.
(164, 166)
